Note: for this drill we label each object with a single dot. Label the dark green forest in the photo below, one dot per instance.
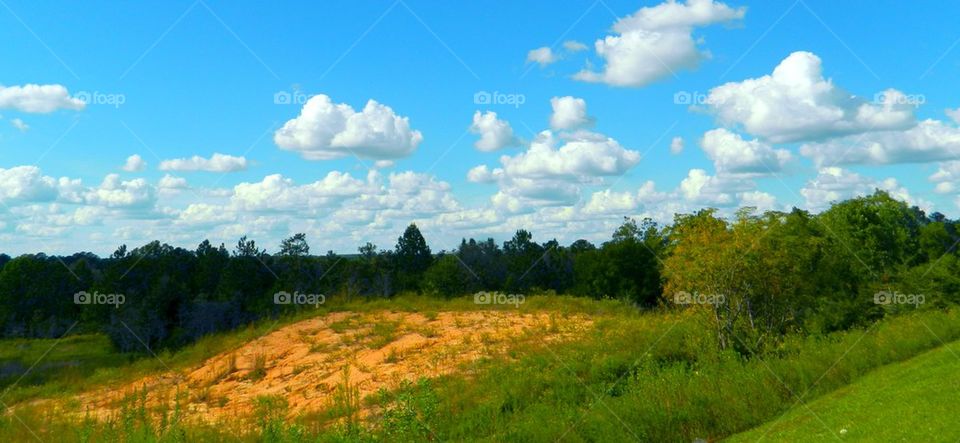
(763, 275)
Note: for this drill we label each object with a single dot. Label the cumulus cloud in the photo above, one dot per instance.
(833, 184)
(731, 154)
(410, 194)
(494, 133)
(116, 193)
(134, 163)
(542, 56)
(575, 155)
(676, 145)
(947, 177)
(26, 183)
(700, 188)
(656, 41)
(171, 182)
(796, 103)
(203, 214)
(39, 99)
(610, 202)
(482, 174)
(758, 199)
(555, 165)
(336, 205)
(325, 130)
(216, 163)
(278, 193)
(569, 113)
(930, 140)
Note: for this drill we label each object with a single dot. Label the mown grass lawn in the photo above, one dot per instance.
(915, 400)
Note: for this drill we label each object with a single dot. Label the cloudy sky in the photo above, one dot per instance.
(186, 120)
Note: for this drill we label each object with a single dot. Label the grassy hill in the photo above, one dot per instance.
(914, 400)
(415, 368)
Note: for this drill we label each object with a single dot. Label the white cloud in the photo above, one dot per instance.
(19, 124)
(494, 133)
(555, 165)
(833, 184)
(610, 202)
(116, 193)
(411, 194)
(676, 145)
(578, 155)
(40, 99)
(202, 214)
(88, 215)
(542, 56)
(797, 103)
(170, 182)
(216, 163)
(731, 154)
(930, 140)
(569, 113)
(277, 193)
(134, 163)
(947, 177)
(481, 174)
(26, 183)
(760, 200)
(532, 193)
(656, 41)
(325, 130)
(648, 194)
(574, 46)
(954, 115)
(701, 188)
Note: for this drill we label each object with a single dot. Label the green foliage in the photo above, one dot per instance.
(626, 267)
(448, 277)
(295, 246)
(409, 413)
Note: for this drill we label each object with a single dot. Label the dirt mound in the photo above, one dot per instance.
(307, 362)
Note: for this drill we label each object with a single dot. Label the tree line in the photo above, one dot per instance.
(759, 275)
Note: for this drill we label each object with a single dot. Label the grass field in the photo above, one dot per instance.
(915, 400)
(632, 375)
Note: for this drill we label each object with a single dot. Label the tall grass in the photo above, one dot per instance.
(657, 380)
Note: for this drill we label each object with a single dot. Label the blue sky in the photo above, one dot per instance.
(174, 80)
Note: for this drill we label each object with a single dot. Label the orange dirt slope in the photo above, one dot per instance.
(306, 362)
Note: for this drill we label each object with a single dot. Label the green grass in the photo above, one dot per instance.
(82, 362)
(46, 366)
(650, 376)
(915, 400)
(647, 377)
